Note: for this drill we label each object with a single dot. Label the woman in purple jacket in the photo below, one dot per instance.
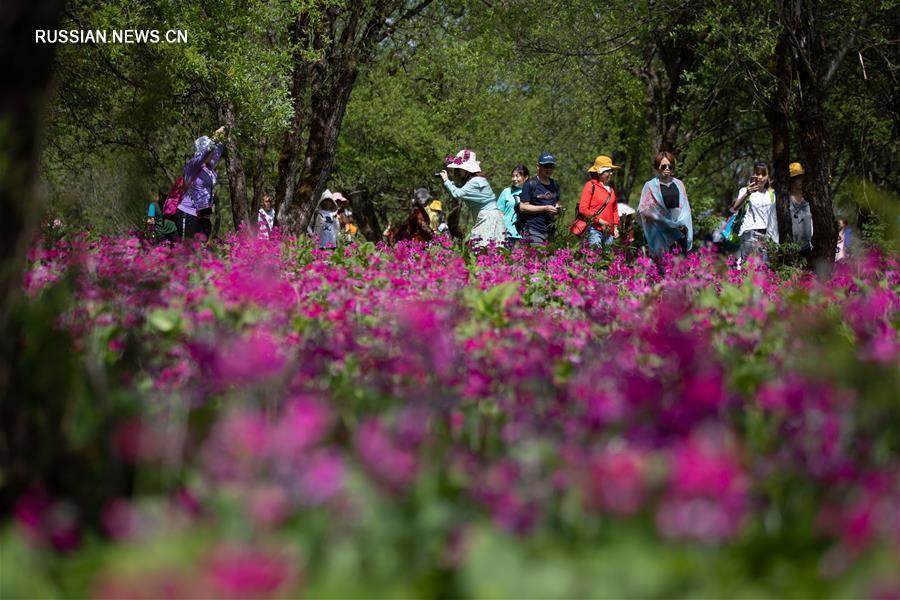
(195, 210)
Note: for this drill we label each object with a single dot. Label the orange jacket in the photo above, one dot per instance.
(593, 196)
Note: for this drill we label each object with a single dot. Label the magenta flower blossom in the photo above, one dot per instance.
(269, 505)
(121, 521)
(616, 481)
(387, 461)
(530, 391)
(250, 359)
(46, 522)
(707, 497)
(243, 572)
(304, 423)
(323, 478)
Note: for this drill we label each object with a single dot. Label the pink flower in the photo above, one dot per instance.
(47, 522)
(133, 442)
(305, 422)
(235, 449)
(269, 505)
(250, 359)
(243, 572)
(707, 497)
(120, 520)
(323, 478)
(395, 467)
(617, 480)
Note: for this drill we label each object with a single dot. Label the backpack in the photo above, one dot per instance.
(520, 217)
(170, 207)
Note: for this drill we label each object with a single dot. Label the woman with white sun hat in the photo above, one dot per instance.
(475, 191)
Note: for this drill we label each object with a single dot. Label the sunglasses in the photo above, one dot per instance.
(547, 166)
(665, 167)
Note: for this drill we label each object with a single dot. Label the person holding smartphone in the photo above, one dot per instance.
(760, 221)
(194, 214)
(539, 203)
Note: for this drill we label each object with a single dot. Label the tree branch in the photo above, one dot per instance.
(839, 56)
(410, 13)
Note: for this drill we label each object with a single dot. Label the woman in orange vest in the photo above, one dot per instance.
(598, 205)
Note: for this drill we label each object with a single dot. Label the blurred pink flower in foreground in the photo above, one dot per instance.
(707, 492)
(47, 522)
(243, 572)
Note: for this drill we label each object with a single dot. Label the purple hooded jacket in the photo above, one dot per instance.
(199, 196)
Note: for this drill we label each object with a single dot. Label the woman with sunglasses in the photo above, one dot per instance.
(665, 210)
(760, 220)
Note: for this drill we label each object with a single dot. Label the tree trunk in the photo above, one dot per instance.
(26, 74)
(290, 147)
(365, 215)
(346, 37)
(778, 115)
(259, 177)
(812, 66)
(237, 179)
(327, 113)
(25, 77)
(665, 90)
(814, 142)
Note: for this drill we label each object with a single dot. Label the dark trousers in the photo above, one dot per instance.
(190, 225)
(534, 237)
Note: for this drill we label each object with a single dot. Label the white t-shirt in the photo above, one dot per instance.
(265, 221)
(624, 209)
(760, 212)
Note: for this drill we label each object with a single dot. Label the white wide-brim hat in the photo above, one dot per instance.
(465, 160)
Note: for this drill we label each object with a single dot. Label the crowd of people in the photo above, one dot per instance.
(528, 211)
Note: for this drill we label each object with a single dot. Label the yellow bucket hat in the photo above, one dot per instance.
(601, 164)
(436, 205)
(795, 169)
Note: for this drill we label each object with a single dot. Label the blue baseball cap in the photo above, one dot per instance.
(546, 159)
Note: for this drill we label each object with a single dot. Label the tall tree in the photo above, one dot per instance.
(343, 40)
(817, 55)
(777, 111)
(25, 77)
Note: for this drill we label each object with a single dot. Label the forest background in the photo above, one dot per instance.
(368, 97)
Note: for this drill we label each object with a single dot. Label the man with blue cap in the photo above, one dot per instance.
(539, 203)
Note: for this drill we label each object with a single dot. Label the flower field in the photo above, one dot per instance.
(262, 420)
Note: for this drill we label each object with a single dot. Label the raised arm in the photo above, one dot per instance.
(454, 190)
(216, 154)
(194, 164)
(213, 154)
(742, 196)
